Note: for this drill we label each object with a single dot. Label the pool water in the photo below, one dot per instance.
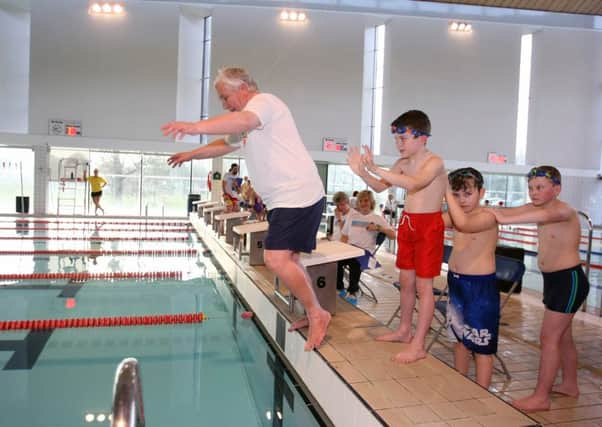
(218, 373)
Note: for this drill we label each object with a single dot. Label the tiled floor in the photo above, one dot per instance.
(429, 393)
(519, 347)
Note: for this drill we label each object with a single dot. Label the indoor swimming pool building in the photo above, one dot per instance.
(162, 283)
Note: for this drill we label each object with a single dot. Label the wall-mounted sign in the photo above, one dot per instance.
(496, 158)
(334, 144)
(60, 127)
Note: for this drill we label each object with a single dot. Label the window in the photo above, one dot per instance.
(16, 174)
(372, 98)
(206, 85)
(524, 86)
(138, 184)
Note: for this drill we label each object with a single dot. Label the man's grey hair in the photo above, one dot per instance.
(235, 77)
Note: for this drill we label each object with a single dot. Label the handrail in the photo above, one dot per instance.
(128, 406)
(588, 255)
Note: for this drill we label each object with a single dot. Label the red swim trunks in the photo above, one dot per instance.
(420, 243)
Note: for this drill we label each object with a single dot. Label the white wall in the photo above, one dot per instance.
(316, 68)
(118, 76)
(14, 70)
(565, 126)
(466, 83)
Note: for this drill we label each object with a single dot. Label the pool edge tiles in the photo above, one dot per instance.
(338, 401)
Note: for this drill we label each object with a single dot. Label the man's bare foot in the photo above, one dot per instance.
(299, 324)
(567, 390)
(395, 336)
(409, 355)
(318, 324)
(532, 404)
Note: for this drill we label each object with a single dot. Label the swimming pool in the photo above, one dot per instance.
(219, 372)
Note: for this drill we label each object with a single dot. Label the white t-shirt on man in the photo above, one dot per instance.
(281, 169)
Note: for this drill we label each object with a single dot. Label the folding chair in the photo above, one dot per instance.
(364, 288)
(506, 270)
(439, 293)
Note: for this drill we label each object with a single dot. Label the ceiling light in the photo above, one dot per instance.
(106, 8)
(293, 16)
(461, 27)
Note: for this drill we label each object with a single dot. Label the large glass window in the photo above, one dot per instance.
(121, 196)
(16, 174)
(164, 189)
(505, 190)
(138, 184)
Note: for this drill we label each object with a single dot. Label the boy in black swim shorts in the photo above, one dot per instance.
(565, 285)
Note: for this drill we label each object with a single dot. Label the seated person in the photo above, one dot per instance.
(360, 230)
(244, 193)
(256, 205)
(342, 211)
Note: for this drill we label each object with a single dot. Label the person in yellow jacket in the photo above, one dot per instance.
(96, 185)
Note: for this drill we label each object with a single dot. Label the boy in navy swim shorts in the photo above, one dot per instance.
(565, 285)
(474, 301)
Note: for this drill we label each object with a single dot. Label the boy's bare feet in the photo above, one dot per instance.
(318, 324)
(409, 355)
(395, 336)
(567, 390)
(299, 324)
(532, 404)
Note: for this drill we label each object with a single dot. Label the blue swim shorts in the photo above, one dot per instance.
(294, 229)
(473, 311)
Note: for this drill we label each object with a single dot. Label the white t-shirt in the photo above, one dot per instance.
(355, 229)
(336, 229)
(229, 181)
(281, 169)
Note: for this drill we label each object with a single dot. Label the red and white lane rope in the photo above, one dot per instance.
(84, 275)
(103, 229)
(99, 239)
(98, 221)
(102, 322)
(108, 252)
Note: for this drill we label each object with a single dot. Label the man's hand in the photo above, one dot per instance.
(178, 129)
(179, 158)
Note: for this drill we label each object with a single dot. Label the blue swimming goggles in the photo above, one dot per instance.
(542, 172)
(403, 129)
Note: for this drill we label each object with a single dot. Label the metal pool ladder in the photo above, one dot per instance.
(128, 406)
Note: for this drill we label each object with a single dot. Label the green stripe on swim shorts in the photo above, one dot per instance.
(574, 286)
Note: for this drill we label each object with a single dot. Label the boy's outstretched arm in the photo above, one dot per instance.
(481, 221)
(429, 171)
(530, 214)
(356, 163)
